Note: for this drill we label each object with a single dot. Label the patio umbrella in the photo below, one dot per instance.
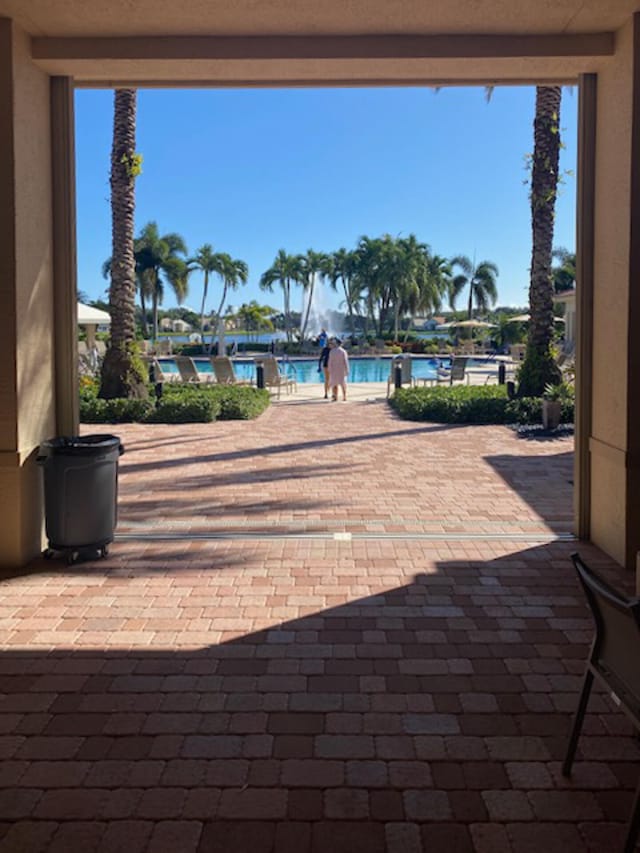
(471, 324)
(524, 318)
(91, 318)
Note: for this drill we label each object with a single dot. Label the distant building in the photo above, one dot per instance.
(568, 299)
(180, 326)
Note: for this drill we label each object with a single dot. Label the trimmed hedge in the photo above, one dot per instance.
(470, 404)
(178, 404)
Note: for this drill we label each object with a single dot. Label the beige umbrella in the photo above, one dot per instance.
(524, 318)
(91, 318)
(472, 324)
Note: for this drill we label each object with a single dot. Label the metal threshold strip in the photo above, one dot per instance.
(340, 536)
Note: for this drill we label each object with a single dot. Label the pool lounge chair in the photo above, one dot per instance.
(158, 375)
(273, 378)
(224, 372)
(189, 373)
(457, 372)
(405, 363)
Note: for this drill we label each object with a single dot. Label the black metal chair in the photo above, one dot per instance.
(614, 661)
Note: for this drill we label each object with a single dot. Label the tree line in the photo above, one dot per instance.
(389, 276)
(382, 280)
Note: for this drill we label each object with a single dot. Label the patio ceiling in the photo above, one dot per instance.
(79, 18)
(285, 43)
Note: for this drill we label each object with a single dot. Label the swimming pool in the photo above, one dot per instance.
(306, 369)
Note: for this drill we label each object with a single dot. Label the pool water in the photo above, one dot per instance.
(306, 370)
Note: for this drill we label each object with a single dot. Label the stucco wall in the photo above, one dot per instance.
(26, 298)
(611, 298)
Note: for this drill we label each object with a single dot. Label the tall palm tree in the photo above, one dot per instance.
(343, 266)
(208, 262)
(287, 270)
(481, 281)
(375, 261)
(159, 261)
(233, 273)
(314, 265)
(433, 281)
(539, 367)
(122, 374)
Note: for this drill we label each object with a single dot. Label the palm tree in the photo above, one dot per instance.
(375, 258)
(314, 264)
(539, 367)
(207, 261)
(343, 265)
(159, 263)
(287, 270)
(122, 374)
(433, 281)
(233, 273)
(564, 272)
(255, 317)
(481, 281)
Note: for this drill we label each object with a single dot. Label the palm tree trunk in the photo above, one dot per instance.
(143, 309)
(305, 323)
(204, 300)
(121, 377)
(287, 292)
(470, 303)
(539, 367)
(349, 308)
(214, 332)
(155, 313)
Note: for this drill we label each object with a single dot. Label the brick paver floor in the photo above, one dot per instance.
(328, 630)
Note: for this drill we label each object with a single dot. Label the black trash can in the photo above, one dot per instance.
(80, 493)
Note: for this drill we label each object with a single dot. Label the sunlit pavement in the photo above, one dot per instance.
(326, 630)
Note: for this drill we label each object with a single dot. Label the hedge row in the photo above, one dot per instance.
(178, 405)
(471, 404)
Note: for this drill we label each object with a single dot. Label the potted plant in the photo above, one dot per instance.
(552, 399)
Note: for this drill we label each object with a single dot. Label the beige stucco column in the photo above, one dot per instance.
(615, 437)
(27, 396)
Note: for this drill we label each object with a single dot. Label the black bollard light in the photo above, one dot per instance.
(502, 373)
(397, 376)
(260, 375)
(511, 390)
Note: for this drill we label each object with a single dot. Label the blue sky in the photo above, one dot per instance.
(253, 171)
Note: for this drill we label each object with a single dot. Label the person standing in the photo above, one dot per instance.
(338, 368)
(323, 367)
(322, 338)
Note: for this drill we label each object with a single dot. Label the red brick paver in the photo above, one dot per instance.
(235, 678)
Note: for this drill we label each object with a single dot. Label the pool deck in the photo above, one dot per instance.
(332, 632)
(360, 392)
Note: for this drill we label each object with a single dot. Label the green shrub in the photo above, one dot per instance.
(94, 410)
(459, 404)
(240, 402)
(473, 404)
(524, 410)
(185, 409)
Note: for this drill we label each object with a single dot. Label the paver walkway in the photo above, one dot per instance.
(327, 630)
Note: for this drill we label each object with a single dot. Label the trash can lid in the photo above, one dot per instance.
(80, 444)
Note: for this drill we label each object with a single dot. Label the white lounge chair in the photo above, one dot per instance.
(224, 372)
(189, 373)
(273, 378)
